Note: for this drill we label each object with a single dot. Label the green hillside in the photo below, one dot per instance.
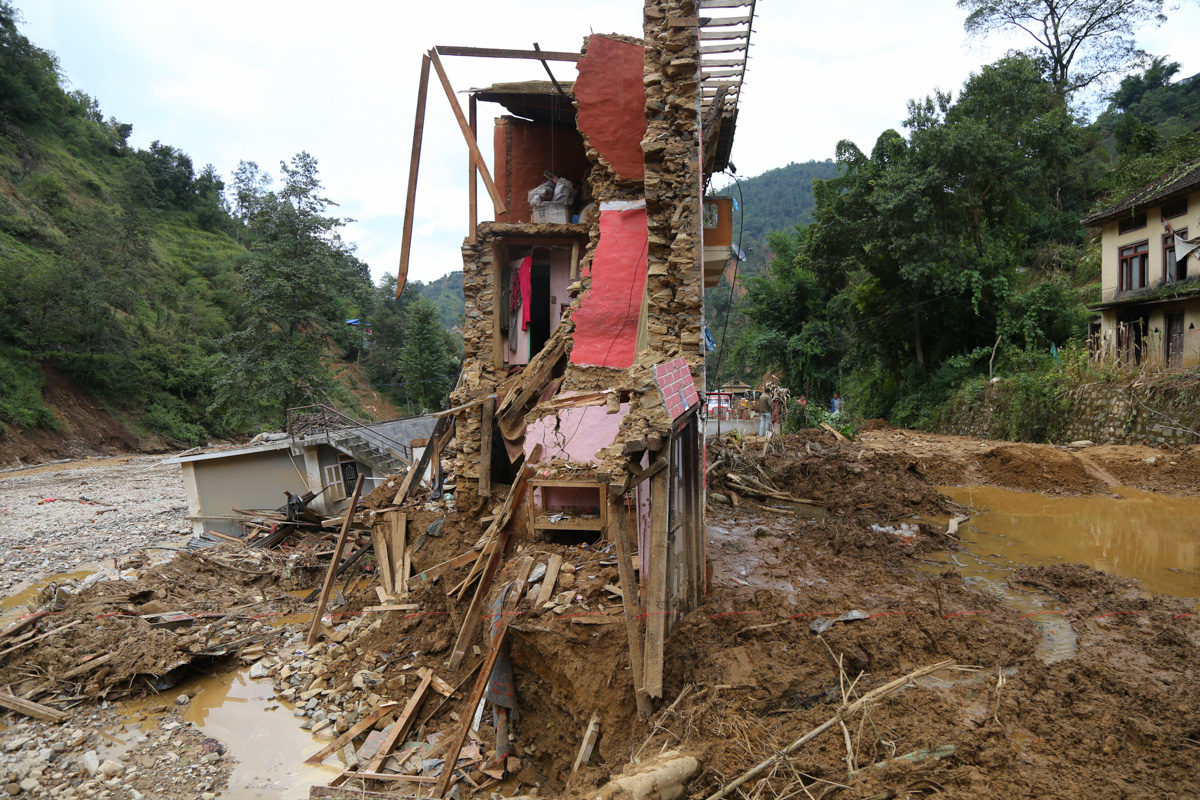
(189, 307)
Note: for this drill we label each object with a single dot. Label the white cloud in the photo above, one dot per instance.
(226, 81)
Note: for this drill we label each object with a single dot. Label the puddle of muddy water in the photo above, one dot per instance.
(1152, 537)
(20, 602)
(258, 729)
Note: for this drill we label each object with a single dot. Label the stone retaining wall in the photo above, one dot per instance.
(1159, 415)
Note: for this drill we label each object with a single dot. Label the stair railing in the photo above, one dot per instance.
(321, 419)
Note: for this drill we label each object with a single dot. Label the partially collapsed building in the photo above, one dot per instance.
(581, 393)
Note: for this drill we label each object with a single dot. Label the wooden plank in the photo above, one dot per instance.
(22, 624)
(725, 3)
(383, 557)
(338, 793)
(403, 723)
(473, 174)
(726, 22)
(624, 534)
(500, 631)
(399, 548)
(359, 727)
(31, 709)
(654, 568)
(493, 52)
(414, 165)
(551, 577)
(88, 666)
(719, 35)
(449, 564)
(836, 433)
(499, 533)
(722, 62)
(394, 607)
(331, 575)
(466, 132)
(589, 742)
(463, 407)
(557, 86)
(45, 635)
(722, 48)
(720, 73)
(574, 261)
(486, 425)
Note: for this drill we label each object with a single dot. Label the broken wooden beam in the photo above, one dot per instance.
(499, 632)
(619, 519)
(347, 737)
(414, 165)
(465, 127)
(331, 575)
(30, 708)
(403, 722)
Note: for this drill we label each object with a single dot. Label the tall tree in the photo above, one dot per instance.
(1084, 41)
(427, 360)
(294, 288)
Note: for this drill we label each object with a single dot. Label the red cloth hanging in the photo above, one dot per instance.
(526, 275)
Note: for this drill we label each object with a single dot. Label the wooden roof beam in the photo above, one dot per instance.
(493, 52)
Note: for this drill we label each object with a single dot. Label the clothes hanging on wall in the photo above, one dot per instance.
(526, 276)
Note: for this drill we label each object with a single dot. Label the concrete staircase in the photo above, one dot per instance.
(382, 461)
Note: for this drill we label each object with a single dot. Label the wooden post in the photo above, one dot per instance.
(654, 567)
(414, 163)
(486, 425)
(499, 531)
(473, 184)
(574, 261)
(619, 519)
(331, 575)
(398, 551)
(466, 132)
(499, 343)
(383, 557)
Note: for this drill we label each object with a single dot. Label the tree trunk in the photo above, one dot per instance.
(920, 353)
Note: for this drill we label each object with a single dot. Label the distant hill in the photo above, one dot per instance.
(447, 294)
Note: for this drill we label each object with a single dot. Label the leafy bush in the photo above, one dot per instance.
(167, 420)
(21, 393)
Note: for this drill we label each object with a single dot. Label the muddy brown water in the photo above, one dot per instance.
(1135, 534)
(1152, 537)
(256, 728)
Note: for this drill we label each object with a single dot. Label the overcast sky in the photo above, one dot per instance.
(260, 81)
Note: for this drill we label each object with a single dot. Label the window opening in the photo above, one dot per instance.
(1175, 208)
(1134, 266)
(1132, 223)
(1173, 270)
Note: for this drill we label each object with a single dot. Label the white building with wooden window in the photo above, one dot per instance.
(1150, 308)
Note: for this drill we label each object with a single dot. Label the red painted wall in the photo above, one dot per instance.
(606, 323)
(612, 103)
(524, 150)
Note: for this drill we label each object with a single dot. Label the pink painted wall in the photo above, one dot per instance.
(612, 103)
(580, 432)
(606, 323)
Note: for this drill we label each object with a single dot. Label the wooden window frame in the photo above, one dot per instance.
(1169, 247)
(1127, 252)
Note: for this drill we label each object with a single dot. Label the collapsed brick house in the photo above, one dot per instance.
(586, 393)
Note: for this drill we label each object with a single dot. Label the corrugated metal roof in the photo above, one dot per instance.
(1182, 180)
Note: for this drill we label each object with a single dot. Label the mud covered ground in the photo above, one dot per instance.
(810, 606)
